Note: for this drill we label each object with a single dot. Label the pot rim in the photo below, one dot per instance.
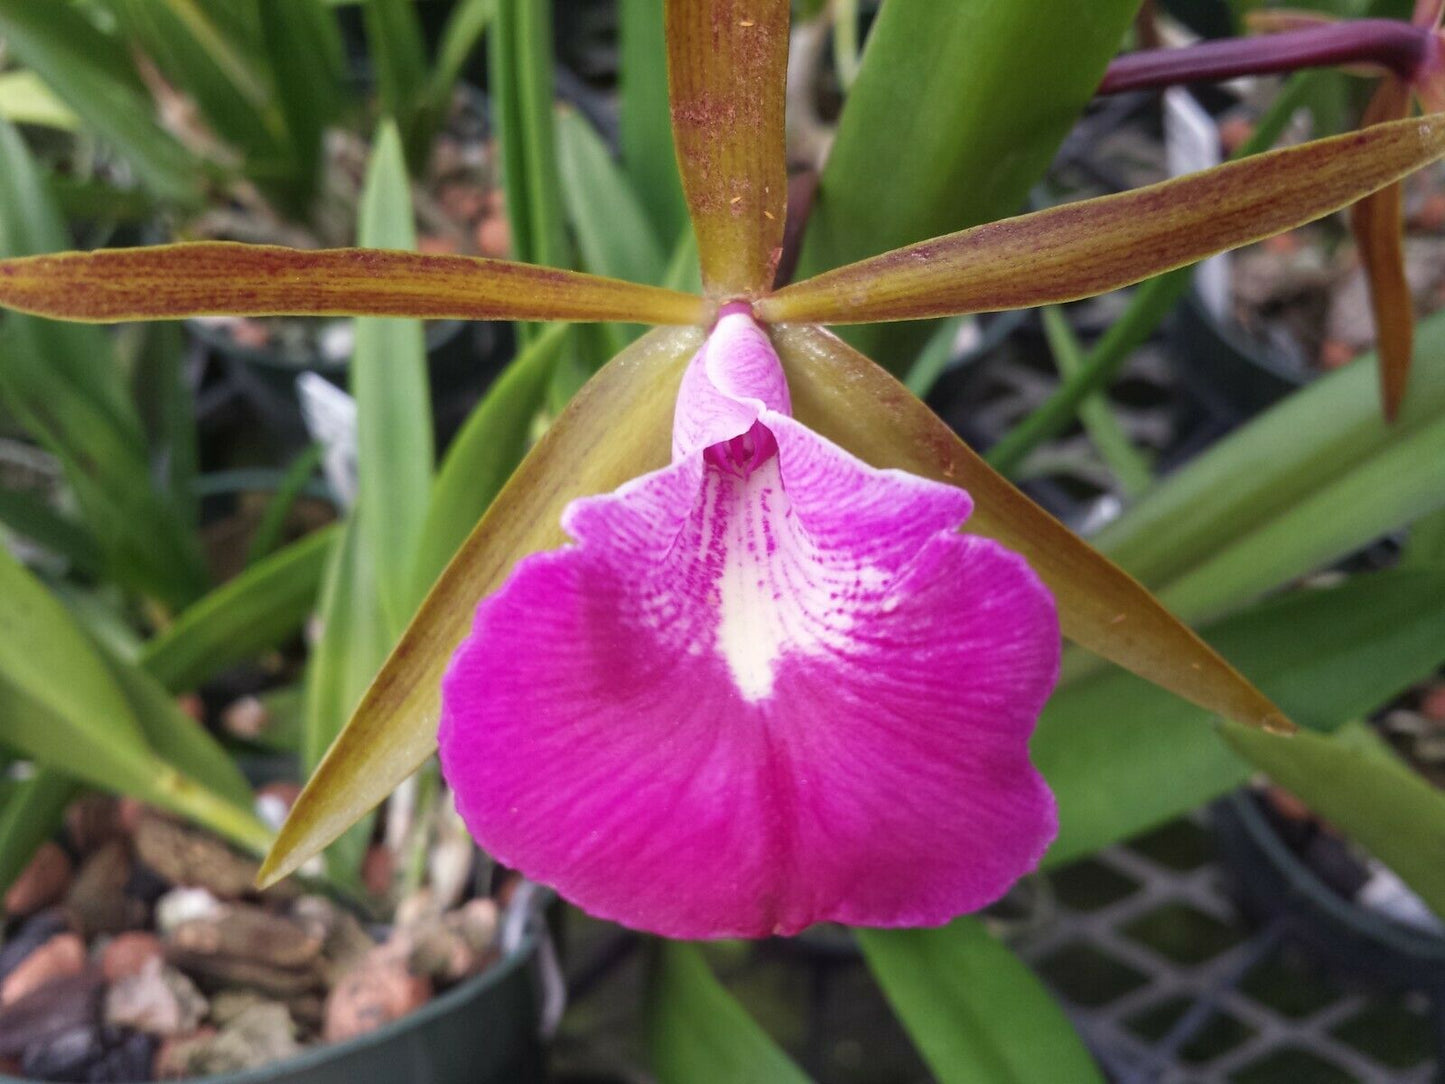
(1407, 940)
(456, 998)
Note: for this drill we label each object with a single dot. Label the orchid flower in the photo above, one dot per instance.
(768, 682)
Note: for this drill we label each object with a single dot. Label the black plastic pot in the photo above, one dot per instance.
(484, 1031)
(1233, 373)
(1274, 882)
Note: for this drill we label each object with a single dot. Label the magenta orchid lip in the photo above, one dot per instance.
(767, 686)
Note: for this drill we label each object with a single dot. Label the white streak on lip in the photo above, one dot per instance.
(777, 593)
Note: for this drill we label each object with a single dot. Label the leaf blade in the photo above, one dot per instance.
(393, 401)
(255, 611)
(91, 73)
(939, 132)
(699, 1034)
(648, 154)
(1106, 741)
(960, 994)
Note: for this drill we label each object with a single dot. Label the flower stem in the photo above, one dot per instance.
(1398, 46)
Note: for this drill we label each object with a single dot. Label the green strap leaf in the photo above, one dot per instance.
(394, 450)
(62, 382)
(267, 535)
(614, 236)
(939, 131)
(251, 613)
(308, 70)
(31, 517)
(644, 114)
(63, 708)
(179, 739)
(30, 815)
(1122, 755)
(975, 1011)
(1097, 415)
(698, 1033)
(353, 644)
(1315, 477)
(393, 37)
(92, 74)
(519, 51)
(221, 78)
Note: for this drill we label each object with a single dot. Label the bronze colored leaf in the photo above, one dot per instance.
(856, 404)
(1085, 248)
(1378, 225)
(617, 427)
(221, 277)
(727, 66)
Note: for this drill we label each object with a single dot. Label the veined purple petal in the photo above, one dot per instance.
(768, 686)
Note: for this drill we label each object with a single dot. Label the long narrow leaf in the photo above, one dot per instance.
(191, 53)
(1122, 755)
(63, 709)
(163, 394)
(393, 37)
(177, 738)
(464, 28)
(303, 45)
(253, 612)
(614, 236)
(92, 74)
(957, 111)
(1096, 413)
(699, 1034)
(1085, 248)
(1300, 463)
(972, 1007)
(273, 521)
(520, 48)
(220, 277)
(31, 815)
(648, 154)
(34, 519)
(394, 729)
(393, 403)
(848, 399)
(727, 65)
(25, 99)
(353, 644)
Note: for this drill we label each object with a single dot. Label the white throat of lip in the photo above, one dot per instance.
(777, 594)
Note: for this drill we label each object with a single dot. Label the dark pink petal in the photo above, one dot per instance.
(768, 686)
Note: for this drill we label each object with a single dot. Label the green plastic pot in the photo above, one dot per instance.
(484, 1031)
(1275, 882)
